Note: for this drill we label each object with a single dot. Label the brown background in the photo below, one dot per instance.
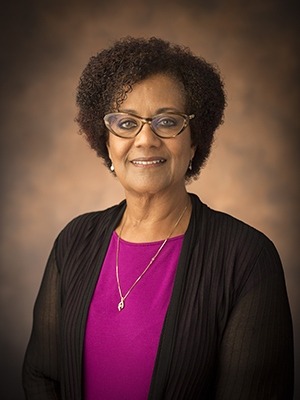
(49, 175)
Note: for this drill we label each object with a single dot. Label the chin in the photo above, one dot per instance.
(147, 188)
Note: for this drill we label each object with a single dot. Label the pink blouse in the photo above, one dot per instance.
(120, 346)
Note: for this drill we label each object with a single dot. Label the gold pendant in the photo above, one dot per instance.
(121, 305)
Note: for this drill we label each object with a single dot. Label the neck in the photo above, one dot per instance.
(151, 218)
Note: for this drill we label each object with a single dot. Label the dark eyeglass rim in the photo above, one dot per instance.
(187, 118)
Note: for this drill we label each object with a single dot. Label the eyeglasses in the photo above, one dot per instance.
(166, 125)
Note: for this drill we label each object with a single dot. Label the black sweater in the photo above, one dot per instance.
(227, 333)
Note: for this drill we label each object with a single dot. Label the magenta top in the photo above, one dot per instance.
(120, 346)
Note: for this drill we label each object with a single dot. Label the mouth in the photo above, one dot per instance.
(146, 162)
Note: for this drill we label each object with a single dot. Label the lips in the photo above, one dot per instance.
(148, 161)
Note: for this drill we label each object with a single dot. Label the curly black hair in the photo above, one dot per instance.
(111, 74)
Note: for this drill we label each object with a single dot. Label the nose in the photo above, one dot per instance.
(147, 137)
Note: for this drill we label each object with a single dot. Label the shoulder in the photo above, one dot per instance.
(234, 254)
(91, 220)
(226, 227)
(87, 226)
(233, 239)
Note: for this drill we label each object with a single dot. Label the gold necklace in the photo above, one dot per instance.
(121, 305)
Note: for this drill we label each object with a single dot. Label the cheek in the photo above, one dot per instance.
(185, 152)
(112, 147)
(118, 149)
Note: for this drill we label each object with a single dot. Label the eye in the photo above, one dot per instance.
(127, 124)
(166, 122)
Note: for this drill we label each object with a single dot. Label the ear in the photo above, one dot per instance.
(108, 147)
(193, 151)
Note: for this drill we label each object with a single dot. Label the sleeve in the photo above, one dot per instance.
(256, 355)
(41, 368)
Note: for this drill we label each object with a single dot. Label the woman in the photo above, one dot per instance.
(159, 297)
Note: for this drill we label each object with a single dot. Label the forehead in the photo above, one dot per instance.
(155, 92)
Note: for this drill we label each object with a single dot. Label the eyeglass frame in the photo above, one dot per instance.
(148, 121)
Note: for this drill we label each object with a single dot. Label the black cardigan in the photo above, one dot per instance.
(227, 333)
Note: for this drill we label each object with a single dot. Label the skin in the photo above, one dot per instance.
(156, 194)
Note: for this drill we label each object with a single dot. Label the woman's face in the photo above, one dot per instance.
(148, 164)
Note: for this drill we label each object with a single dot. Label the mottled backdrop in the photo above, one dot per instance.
(49, 175)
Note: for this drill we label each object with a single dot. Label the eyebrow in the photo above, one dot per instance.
(159, 111)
